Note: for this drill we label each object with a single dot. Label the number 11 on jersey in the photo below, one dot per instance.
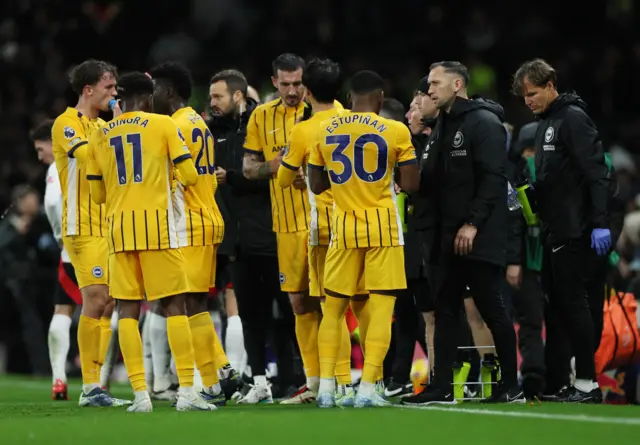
(136, 155)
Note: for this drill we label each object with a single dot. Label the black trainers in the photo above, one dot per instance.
(504, 394)
(533, 386)
(395, 389)
(560, 396)
(576, 396)
(430, 396)
(232, 383)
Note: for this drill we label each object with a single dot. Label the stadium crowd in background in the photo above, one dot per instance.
(243, 197)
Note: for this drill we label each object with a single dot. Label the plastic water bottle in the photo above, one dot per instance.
(512, 198)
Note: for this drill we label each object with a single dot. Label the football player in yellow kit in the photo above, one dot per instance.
(83, 225)
(355, 156)
(131, 163)
(198, 221)
(321, 78)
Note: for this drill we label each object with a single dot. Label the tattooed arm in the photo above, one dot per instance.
(255, 167)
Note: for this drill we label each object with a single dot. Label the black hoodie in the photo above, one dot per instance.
(465, 171)
(245, 205)
(572, 183)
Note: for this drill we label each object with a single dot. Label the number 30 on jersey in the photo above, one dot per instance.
(343, 141)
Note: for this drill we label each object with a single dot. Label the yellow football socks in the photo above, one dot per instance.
(307, 326)
(220, 359)
(378, 336)
(204, 334)
(361, 311)
(329, 335)
(181, 347)
(131, 347)
(343, 363)
(89, 346)
(105, 338)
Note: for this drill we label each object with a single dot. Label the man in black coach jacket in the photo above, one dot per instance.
(465, 169)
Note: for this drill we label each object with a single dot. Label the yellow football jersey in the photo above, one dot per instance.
(268, 134)
(199, 221)
(303, 136)
(133, 155)
(69, 136)
(360, 150)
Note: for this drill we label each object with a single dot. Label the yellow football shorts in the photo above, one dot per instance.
(292, 261)
(89, 257)
(156, 273)
(381, 268)
(200, 267)
(317, 260)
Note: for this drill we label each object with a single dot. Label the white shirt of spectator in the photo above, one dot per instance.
(53, 207)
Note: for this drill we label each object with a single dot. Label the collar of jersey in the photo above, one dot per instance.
(181, 111)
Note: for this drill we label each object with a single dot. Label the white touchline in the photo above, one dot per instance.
(566, 417)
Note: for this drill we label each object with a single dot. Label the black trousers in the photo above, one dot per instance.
(529, 305)
(256, 284)
(559, 347)
(568, 315)
(409, 328)
(485, 281)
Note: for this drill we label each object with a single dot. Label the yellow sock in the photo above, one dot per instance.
(329, 335)
(89, 346)
(307, 326)
(181, 346)
(361, 311)
(105, 338)
(220, 359)
(378, 336)
(343, 363)
(131, 347)
(203, 333)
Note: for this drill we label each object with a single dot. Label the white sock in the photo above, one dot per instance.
(160, 352)
(234, 343)
(112, 350)
(141, 396)
(187, 391)
(59, 345)
(197, 378)
(585, 385)
(146, 348)
(90, 387)
(327, 386)
(260, 380)
(313, 383)
(214, 390)
(367, 389)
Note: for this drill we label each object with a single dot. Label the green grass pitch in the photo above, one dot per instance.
(29, 416)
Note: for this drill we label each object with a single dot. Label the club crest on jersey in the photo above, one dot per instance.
(458, 140)
(69, 132)
(282, 278)
(97, 272)
(548, 135)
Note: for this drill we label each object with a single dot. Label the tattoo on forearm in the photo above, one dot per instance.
(256, 168)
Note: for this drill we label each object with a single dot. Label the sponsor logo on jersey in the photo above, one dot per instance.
(74, 141)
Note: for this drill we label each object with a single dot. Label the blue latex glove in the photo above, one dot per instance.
(601, 241)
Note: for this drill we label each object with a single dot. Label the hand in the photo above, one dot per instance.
(601, 241)
(514, 275)
(463, 244)
(275, 163)
(300, 182)
(221, 175)
(397, 188)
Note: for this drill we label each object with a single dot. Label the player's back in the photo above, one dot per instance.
(134, 156)
(199, 221)
(360, 151)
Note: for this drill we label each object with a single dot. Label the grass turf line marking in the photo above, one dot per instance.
(548, 416)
